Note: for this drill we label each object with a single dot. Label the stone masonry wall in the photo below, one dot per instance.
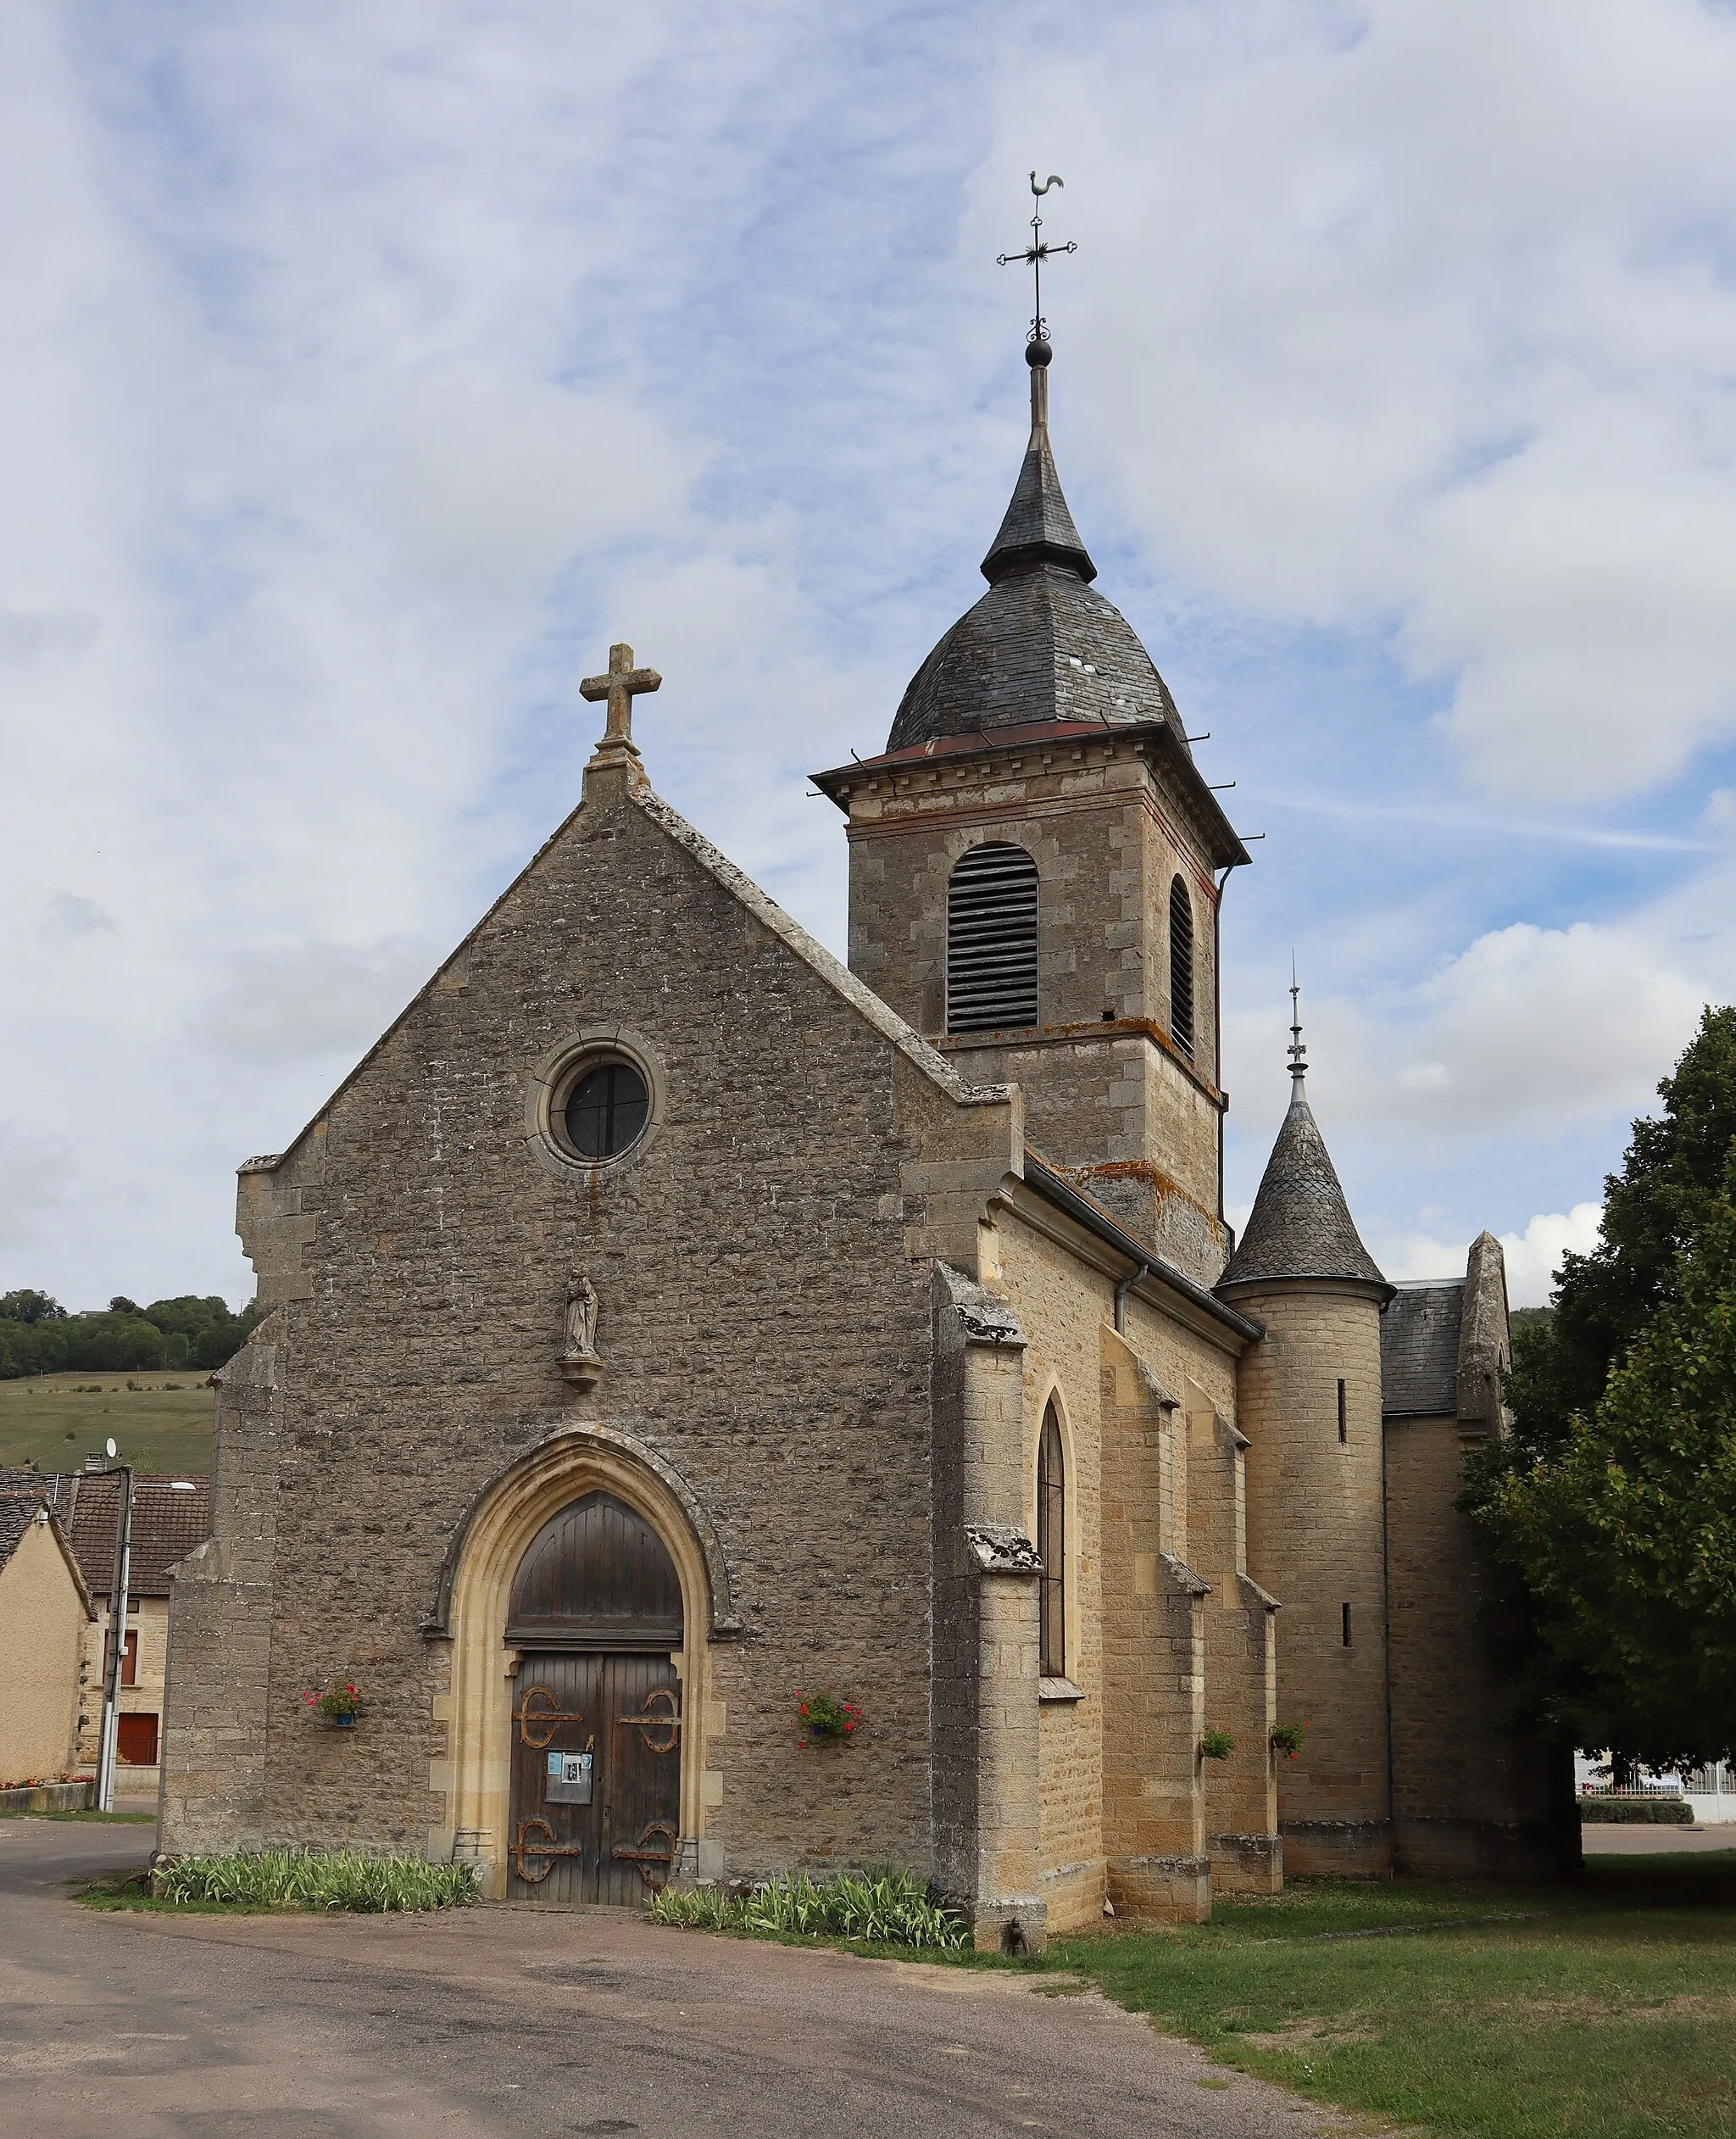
(1241, 1651)
(1314, 1540)
(761, 1324)
(1121, 1805)
(218, 1701)
(1154, 1681)
(1469, 1799)
(1105, 1087)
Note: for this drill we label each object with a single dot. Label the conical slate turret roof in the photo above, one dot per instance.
(1300, 1225)
(1040, 646)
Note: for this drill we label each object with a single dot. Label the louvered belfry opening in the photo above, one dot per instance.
(1182, 967)
(991, 940)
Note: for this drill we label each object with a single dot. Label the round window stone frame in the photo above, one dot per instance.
(553, 1081)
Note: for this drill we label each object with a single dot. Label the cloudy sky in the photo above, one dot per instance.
(366, 368)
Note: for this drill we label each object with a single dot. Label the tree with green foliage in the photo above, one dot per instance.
(1653, 1209)
(37, 1336)
(1612, 1505)
(30, 1307)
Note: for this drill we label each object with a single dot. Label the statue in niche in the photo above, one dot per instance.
(580, 1362)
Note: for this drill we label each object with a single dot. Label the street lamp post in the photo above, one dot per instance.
(117, 1640)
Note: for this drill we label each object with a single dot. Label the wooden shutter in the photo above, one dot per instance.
(1182, 967)
(991, 940)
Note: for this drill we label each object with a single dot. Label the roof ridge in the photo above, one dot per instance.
(837, 976)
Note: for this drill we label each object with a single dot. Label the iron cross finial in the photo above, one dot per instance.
(1035, 254)
(620, 686)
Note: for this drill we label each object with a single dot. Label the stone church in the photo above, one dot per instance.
(664, 1326)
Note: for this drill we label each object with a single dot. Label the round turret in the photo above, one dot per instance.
(1309, 1400)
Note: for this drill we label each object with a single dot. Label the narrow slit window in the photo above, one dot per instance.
(1182, 967)
(991, 940)
(1346, 1611)
(1052, 1548)
(1343, 1422)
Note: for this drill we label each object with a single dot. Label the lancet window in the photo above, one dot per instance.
(1052, 1547)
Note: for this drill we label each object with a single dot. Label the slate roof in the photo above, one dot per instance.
(1040, 646)
(53, 1486)
(1037, 528)
(18, 1511)
(1300, 1225)
(167, 1522)
(1419, 1350)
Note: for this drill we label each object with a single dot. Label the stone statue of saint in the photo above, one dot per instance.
(579, 1360)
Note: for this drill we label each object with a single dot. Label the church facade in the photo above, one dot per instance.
(666, 1330)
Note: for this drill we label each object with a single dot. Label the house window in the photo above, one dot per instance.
(1182, 967)
(991, 940)
(1052, 1548)
(1346, 1611)
(129, 1658)
(1344, 1418)
(136, 1740)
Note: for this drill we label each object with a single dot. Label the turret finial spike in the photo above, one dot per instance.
(1299, 1052)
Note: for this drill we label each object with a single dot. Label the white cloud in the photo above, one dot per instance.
(69, 914)
(301, 1001)
(1532, 1256)
(35, 1175)
(355, 396)
(1414, 315)
(1526, 1029)
(38, 634)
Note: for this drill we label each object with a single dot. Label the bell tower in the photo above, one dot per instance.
(1035, 867)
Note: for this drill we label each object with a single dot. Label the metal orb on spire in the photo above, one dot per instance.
(1034, 254)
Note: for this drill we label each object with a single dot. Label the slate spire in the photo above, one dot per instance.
(1037, 528)
(1300, 1225)
(1041, 644)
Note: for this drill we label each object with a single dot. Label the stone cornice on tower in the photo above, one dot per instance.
(1040, 756)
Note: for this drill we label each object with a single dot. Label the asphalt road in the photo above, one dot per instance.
(1615, 1840)
(492, 2021)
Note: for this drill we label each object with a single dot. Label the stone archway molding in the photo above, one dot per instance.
(473, 1778)
(724, 1624)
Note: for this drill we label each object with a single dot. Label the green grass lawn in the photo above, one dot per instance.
(162, 1423)
(1605, 2011)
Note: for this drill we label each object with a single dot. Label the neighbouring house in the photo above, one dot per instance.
(45, 1611)
(170, 1517)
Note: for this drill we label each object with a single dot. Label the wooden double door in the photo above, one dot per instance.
(596, 1776)
(596, 1618)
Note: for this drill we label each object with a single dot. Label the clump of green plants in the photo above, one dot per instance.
(313, 1879)
(1217, 1745)
(879, 1907)
(1287, 1738)
(826, 1719)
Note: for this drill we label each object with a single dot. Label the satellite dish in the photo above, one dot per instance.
(113, 1451)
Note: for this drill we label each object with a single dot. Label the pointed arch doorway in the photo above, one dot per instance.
(596, 1617)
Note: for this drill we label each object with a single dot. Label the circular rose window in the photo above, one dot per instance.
(605, 1108)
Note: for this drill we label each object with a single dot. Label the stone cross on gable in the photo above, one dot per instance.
(620, 686)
